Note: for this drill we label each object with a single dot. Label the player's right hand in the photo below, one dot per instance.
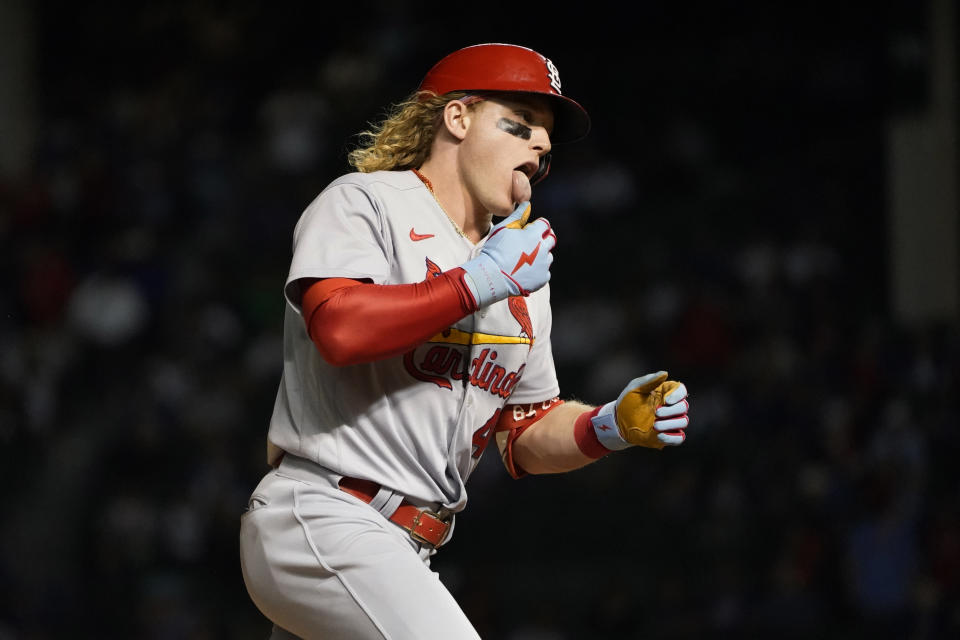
(651, 411)
(514, 261)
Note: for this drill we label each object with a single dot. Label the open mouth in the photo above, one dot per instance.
(534, 172)
(527, 169)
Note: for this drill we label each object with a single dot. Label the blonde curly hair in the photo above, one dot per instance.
(402, 140)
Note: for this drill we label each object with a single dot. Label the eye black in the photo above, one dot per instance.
(515, 128)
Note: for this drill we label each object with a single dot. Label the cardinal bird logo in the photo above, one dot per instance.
(433, 270)
(518, 308)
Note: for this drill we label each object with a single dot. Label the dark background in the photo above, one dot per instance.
(726, 220)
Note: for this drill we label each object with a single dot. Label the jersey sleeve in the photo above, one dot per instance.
(341, 234)
(539, 382)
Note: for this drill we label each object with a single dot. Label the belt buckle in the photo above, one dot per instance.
(416, 535)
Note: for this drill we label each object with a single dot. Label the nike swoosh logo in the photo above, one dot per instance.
(416, 237)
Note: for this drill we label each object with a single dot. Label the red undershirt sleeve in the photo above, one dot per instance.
(353, 322)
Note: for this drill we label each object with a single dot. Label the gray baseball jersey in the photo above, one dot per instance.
(415, 423)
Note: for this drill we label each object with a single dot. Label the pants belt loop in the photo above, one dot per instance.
(386, 501)
(381, 498)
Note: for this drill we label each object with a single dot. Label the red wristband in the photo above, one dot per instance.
(586, 435)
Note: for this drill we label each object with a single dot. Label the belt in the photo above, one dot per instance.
(424, 525)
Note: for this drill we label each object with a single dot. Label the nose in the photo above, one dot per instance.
(540, 141)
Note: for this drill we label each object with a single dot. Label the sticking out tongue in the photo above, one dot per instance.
(521, 187)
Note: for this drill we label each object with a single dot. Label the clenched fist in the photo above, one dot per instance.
(651, 411)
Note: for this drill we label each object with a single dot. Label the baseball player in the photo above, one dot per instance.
(417, 331)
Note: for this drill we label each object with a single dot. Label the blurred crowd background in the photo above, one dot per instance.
(738, 217)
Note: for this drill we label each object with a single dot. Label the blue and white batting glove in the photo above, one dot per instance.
(651, 411)
(514, 261)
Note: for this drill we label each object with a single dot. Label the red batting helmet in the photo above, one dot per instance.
(508, 67)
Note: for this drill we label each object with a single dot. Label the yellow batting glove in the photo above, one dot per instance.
(651, 412)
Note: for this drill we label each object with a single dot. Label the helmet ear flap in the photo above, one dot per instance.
(542, 171)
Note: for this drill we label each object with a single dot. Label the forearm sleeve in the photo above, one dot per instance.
(352, 322)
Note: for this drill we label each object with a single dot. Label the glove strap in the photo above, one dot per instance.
(485, 281)
(605, 426)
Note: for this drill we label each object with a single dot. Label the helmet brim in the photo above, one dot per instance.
(570, 120)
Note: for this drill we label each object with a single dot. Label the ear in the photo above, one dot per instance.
(456, 119)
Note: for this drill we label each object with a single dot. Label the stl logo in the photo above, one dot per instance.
(554, 75)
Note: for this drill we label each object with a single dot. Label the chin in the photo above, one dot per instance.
(503, 209)
(499, 206)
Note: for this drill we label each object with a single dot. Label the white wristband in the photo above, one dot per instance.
(605, 425)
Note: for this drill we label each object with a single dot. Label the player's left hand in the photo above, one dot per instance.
(651, 411)
(515, 259)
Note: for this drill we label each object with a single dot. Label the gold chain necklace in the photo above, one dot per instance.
(429, 185)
